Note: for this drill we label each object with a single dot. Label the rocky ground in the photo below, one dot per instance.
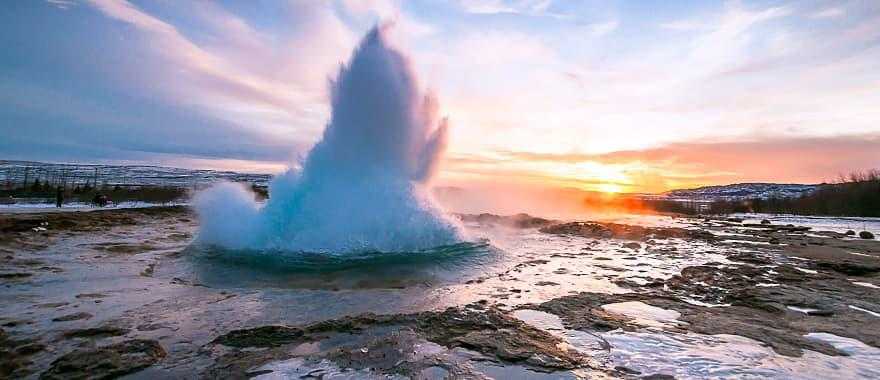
(107, 294)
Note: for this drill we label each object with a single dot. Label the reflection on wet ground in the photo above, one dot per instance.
(135, 275)
(701, 356)
(818, 223)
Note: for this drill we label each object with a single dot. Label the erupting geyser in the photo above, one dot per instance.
(363, 186)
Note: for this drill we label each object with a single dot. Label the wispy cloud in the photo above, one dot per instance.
(522, 7)
(487, 6)
(678, 165)
(604, 28)
(211, 68)
(246, 79)
(685, 25)
(62, 4)
(832, 12)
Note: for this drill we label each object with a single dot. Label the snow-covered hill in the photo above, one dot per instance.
(15, 172)
(744, 191)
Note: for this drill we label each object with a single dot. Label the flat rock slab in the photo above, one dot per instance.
(106, 362)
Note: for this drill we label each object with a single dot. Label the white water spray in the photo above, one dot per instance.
(363, 186)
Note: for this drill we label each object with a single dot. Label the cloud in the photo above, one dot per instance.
(271, 79)
(376, 9)
(603, 28)
(60, 125)
(62, 4)
(744, 73)
(498, 48)
(268, 81)
(486, 6)
(524, 81)
(173, 79)
(728, 42)
(685, 25)
(790, 159)
(213, 72)
(827, 13)
(524, 7)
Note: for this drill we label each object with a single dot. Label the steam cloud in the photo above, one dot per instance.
(363, 186)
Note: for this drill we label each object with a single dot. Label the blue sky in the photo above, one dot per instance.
(645, 94)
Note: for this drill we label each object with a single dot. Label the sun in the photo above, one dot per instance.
(612, 188)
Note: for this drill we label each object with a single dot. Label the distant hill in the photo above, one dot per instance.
(744, 191)
(13, 173)
(855, 195)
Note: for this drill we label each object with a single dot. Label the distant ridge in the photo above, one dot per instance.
(15, 172)
(745, 191)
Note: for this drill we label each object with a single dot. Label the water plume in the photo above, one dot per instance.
(363, 186)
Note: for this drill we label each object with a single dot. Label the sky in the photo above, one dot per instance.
(615, 96)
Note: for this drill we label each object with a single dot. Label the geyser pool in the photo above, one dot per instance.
(450, 264)
(363, 186)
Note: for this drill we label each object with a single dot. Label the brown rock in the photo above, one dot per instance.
(106, 362)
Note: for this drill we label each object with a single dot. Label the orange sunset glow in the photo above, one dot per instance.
(606, 98)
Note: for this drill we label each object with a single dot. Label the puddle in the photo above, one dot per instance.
(697, 356)
(767, 285)
(644, 314)
(866, 284)
(300, 368)
(804, 310)
(701, 303)
(874, 313)
(585, 342)
(515, 372)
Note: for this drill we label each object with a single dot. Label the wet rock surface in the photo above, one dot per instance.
(72, 317)
(15, 355)
(263, 336)
(374, 342)
(106, 362)
(624, 231)
(490, 331)
(774, 296)
(117, 292)
(96, 332)
(516, 221)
